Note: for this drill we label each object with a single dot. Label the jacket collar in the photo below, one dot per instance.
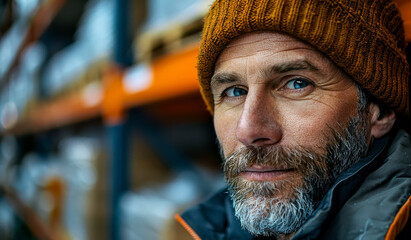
(346, 184)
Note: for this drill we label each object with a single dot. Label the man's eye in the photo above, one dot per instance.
(297, 83)
(235, 92)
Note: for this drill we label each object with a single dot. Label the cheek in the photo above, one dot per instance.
(225, 128)
(310, 125)
(307, 131)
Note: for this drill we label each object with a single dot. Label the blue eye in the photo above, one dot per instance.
(235, 92)
(297, 84)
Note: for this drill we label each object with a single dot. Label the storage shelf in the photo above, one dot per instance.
(173, 75)
(38, 227)
(47, 115)
(38, 24)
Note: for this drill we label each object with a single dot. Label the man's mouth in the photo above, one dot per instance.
(266, 173)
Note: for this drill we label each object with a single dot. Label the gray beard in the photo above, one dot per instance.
(257, 205)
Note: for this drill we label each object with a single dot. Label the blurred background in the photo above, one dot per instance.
(103, 132)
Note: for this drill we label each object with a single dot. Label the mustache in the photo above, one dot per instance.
(298, 158)
(344, 144)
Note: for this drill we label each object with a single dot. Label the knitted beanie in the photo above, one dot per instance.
(365, 38)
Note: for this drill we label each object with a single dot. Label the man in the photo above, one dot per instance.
(305, 97)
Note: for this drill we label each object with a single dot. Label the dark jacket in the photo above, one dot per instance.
(370, 200)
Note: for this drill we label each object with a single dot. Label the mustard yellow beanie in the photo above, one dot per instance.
(365, 38)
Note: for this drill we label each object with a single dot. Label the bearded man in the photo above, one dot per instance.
(306, 97)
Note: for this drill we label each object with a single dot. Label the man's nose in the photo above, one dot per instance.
(258, 125)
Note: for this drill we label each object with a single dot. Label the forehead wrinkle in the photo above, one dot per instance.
(305, 48)
(310, 58)
(246, 39)
(222, 60)
(238, 50)
(238, 43)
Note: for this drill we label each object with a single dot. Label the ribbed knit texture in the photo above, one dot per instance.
(365, 38)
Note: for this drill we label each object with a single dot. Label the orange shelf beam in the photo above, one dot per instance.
(172, 75)
(68, 110)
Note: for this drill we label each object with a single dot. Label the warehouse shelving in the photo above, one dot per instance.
(166, 77)
(37, 25)
(35, 224)
(170, 76)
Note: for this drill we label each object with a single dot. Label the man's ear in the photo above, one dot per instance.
(380, 125)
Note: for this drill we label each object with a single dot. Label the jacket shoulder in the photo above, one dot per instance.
(372, 209)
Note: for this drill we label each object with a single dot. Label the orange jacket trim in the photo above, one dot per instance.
(399, 221)
(187, 227)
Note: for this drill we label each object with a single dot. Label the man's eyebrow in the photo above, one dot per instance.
(292, 66)
(223, 78)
